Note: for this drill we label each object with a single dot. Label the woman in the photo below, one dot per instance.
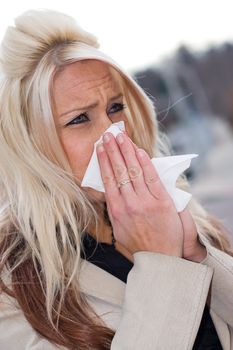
(60, 241)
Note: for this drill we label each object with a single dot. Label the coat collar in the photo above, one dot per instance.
(97, 282)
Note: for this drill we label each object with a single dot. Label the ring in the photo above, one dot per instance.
(123, 182)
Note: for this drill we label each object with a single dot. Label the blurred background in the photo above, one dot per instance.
(181, 53)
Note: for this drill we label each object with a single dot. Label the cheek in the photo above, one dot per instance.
(78, 153)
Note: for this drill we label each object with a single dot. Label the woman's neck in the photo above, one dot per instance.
(103, 233)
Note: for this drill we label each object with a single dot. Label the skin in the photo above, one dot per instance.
(142, 214)
(81, 84)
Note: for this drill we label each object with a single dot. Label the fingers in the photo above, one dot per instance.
(151, 176)
(133, 144)
(107, 174)
(126, 161)
(118, 165)
(134, 168)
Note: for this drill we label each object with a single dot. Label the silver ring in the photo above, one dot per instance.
(123, 182)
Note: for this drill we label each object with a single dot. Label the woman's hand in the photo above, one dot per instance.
(192, 249)
(142, 213)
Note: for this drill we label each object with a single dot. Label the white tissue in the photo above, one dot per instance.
(168, 168)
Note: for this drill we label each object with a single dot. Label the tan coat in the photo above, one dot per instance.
(160, 307)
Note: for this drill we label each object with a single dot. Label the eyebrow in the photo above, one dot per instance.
(93, 105)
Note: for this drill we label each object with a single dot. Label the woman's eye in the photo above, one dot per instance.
(82, 118)
(116, 107)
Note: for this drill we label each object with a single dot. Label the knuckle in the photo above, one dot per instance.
(120, 170)
(166, 204)
(152, 180)
(108, 179)
(132, 209)
(110, 149)
(134, 172)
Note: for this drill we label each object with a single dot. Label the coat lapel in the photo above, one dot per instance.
(99, 283)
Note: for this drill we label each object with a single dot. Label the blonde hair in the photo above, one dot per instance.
(43, 210)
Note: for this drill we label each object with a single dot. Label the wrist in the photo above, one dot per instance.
(199, 254)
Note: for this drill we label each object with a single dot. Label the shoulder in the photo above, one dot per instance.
(15, 331)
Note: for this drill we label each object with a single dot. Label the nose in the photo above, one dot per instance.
(104, 123)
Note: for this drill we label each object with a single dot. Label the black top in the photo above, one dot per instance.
(105, 256)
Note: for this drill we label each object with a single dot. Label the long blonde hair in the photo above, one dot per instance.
(43, 211)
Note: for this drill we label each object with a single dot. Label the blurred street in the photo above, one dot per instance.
(213, 186)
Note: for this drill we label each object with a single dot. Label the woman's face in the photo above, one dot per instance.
(86, 100)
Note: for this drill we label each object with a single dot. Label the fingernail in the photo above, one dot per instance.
(120, 138)
(100, 148)
(106, 138)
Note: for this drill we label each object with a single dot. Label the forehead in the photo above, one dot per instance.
(83, 76)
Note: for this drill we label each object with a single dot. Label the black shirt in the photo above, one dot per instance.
(105, 256)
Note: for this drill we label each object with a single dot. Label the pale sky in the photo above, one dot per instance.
(136, 33)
